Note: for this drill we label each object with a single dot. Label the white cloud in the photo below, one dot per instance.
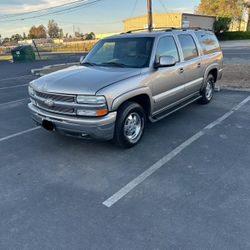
(10, 31)
(24, 7)
(183, 10)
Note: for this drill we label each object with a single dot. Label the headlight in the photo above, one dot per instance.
(94, 106)
(91, 99)
(31, 91)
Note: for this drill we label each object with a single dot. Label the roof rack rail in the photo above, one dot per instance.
(166, 29)
(154, 29)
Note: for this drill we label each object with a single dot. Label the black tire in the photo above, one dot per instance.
(129, 113)
(208, 91)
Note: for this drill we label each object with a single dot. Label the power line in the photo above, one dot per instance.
(86, 4)
(163, 5)
(41, 10)
(133, 10)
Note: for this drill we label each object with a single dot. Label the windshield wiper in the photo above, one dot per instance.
(88, 64)
(116, 64)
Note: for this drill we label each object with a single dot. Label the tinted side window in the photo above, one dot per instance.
(188, 47)
(208, 41)
(167, 47)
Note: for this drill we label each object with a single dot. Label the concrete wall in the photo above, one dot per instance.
(205, 22)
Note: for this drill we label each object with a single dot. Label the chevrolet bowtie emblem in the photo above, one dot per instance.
(49, 102)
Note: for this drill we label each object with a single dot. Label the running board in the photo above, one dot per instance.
(174, 109)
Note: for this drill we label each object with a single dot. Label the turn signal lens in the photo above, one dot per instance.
(101, 112)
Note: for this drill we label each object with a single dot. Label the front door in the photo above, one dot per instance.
(167, 82)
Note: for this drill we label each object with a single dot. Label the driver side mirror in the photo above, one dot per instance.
(165, 61)
(82, 59)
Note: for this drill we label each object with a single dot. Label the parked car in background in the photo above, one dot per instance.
(127, 80)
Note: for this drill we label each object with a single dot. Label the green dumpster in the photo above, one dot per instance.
(23, 53)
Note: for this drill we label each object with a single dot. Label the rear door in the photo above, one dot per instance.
(192, 64)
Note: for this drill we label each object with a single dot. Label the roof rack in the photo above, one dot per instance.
(166, 29)
(154, 29)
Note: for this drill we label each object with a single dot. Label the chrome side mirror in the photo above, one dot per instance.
(165, 61)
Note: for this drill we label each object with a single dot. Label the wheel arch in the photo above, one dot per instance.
(212, 69)
(142, 96)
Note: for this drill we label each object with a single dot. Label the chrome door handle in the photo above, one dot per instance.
(181, 70)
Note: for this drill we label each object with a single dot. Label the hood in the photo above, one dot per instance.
(82, 80)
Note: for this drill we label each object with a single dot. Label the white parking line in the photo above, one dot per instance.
(139, 179)
(17, 134)
(12, 102)
(15, 86)
(15, 78)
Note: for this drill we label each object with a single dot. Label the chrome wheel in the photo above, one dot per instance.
(209, 90)
(133, 127)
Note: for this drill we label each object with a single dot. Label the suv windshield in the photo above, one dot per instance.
(121, 52)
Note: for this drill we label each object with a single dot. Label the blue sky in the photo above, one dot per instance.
(105, 16)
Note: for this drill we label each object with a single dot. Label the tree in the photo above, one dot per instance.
(37, 32)
(24, 36)
(16, 38)
(222, 8)
(247, 6)
(221, 25)
(90, 36)
(53, 30)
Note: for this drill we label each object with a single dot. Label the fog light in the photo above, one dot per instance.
(84, 112)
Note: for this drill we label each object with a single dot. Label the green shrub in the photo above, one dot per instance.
(234, 35)
(221, 25)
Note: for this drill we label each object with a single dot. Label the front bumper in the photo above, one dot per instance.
(97, 127)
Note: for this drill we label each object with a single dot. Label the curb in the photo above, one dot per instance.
(235, 89)
(37, 72)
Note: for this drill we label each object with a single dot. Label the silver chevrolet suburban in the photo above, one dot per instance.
(127, 80)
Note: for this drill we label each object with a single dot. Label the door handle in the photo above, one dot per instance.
(198, 65)
(181, 70)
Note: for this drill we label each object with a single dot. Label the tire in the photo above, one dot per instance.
(130, 125)
(208, 90)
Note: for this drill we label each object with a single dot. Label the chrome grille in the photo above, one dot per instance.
(56, 108)
(57, 103)
(56, 97)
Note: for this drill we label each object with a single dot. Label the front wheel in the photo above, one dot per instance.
(208, 91)
(129, 125)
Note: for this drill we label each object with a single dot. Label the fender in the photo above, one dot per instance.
(208, 69)
(128, 95)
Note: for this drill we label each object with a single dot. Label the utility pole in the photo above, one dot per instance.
(150, 16)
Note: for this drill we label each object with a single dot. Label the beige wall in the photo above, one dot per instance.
(169, 20)
(159, 20)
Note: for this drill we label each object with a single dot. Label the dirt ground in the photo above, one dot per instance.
(236, 76)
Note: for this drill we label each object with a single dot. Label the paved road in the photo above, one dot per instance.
(18, 69)
(53, 188)
(239, 55)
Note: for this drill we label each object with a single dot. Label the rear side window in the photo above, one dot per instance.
(208, 41)
(167, 47)
(188, 47)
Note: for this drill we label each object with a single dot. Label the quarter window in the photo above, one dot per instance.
(208, 41)
(167, 47)
(188, 47)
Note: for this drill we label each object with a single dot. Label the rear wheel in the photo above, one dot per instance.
(129, 125)
(208, 91)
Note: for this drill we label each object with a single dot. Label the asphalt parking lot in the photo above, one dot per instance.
(185, 186)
